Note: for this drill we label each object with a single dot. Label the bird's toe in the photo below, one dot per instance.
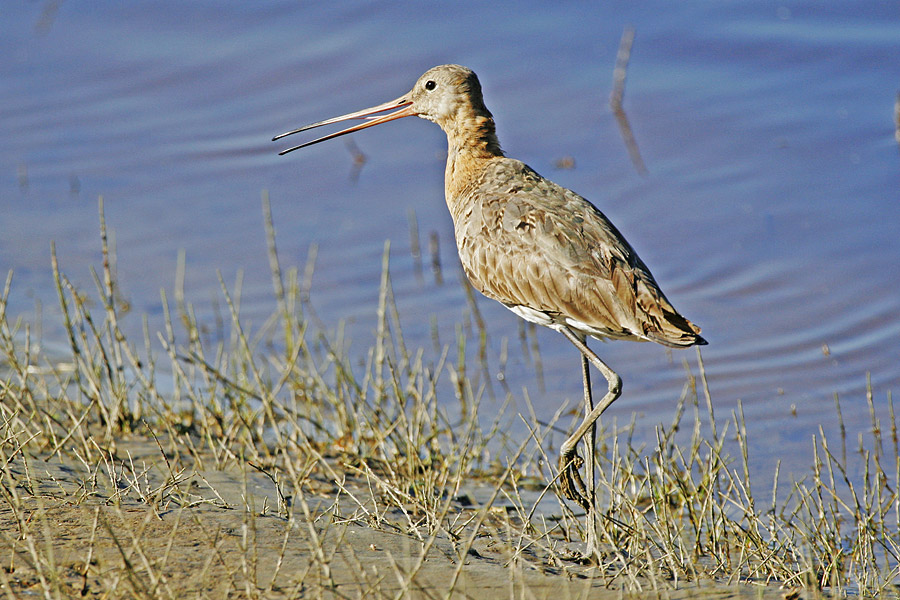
(570, 482)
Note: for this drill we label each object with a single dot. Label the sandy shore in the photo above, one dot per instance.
(139, 525)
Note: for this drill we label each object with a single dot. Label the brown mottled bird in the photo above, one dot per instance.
(543, 251)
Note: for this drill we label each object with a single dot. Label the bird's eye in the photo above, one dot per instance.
(430, 85)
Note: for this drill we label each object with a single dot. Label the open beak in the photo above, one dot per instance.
(402, 103)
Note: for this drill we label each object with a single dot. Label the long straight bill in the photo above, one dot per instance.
(401, 103)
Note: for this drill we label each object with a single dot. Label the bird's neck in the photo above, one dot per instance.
(473, 133)
(471, 143)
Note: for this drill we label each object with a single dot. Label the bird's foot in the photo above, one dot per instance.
(570, 482)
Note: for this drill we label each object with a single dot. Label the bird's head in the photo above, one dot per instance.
(449, 95)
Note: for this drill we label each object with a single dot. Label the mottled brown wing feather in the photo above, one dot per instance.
(524, 240)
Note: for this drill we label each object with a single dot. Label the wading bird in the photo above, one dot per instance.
(543, 251)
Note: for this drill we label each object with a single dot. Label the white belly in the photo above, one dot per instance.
(531, 315)
(541, 318)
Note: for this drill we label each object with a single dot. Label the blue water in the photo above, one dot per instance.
(769, 213)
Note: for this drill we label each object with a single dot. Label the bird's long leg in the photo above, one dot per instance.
(588, 408)
(569, 462)
(591, 442)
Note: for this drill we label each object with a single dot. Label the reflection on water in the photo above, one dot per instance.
(768, 212)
